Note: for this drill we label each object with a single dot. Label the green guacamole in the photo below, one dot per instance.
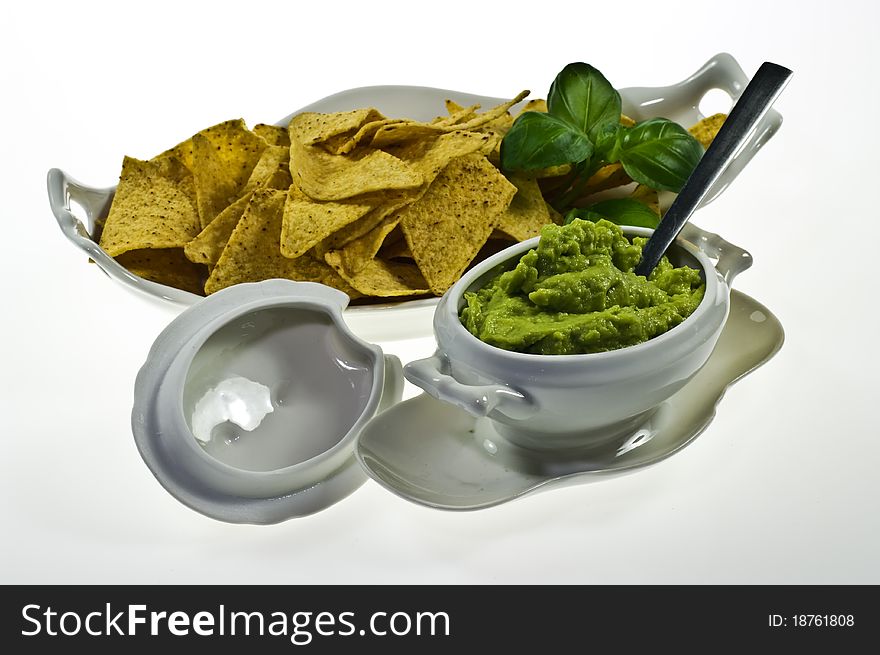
(577, 293)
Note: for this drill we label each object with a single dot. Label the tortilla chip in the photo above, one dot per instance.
(385, 132)
(501, 124)
(183, 151)
(491, 114)
(274, 135)
(428, 158)
(270, 162)
(271, 134)
(389, 133)
(456, 113)
(705, 130)
(166, 266)
(224, 156)
(551, 172)
(383, 278)
(607, 177)
(363, 135)
(208, 245)
(307, 222)
(325, 176)
(527, 212)
(311, 128)
(355, 256)
(154, 207)
(362, 226)
(254, 250)
(401, 132)
(452, 107)
(449, 224)
(538, 104)
(280, 179)
(431, 156)
(493, 143)
(648, 196)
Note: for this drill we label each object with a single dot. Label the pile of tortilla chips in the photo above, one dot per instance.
(374, 206)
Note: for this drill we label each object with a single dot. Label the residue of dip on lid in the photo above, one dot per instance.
(237, 400)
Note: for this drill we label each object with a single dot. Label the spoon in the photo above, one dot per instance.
(751, 107)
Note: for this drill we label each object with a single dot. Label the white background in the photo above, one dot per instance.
(782, 487)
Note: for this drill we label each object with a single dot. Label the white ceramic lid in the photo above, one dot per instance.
(249, 404)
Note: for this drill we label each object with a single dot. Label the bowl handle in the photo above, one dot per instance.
(731, 260)
(64, 192)
(720, 72)
(476, 399)
(724, 72)
(62, 189)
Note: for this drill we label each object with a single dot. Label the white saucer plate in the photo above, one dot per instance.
(435, 454)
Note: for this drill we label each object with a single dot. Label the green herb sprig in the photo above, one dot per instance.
(582, 128)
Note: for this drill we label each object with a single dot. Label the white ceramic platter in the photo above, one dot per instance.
(79, 208)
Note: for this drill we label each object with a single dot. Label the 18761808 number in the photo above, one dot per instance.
(811, 621)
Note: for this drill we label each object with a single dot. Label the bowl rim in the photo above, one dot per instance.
(367, 409)
(449, 310)
(150, 380)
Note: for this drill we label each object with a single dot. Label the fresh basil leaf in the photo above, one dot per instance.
(606, 143)
(538, 140)
(581, 96)
(623, 211)
(658, 153)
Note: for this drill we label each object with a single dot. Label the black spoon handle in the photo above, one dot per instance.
(754, 102)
